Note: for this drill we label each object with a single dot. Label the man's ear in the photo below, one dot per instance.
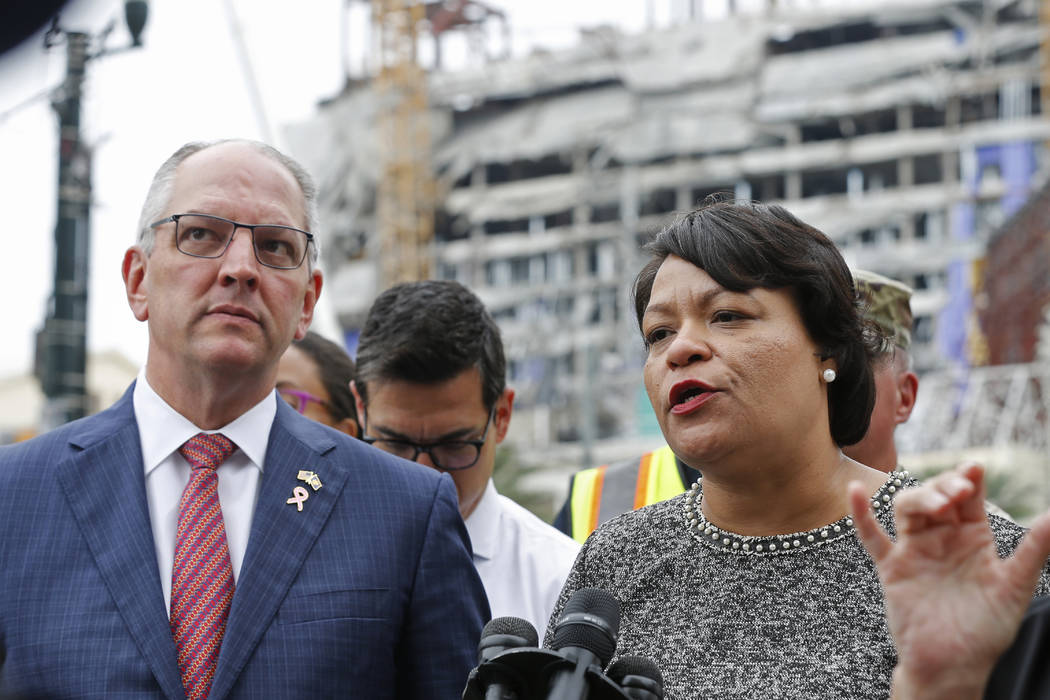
(504, 409)
(313, 293)
(359, 404)
(907, 392)
(133, 270)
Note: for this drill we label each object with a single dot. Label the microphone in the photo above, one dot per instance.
(500, 682)
(586, 637)
(638, 677)
(504, 633)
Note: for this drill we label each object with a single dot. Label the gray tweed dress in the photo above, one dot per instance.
(725, 616)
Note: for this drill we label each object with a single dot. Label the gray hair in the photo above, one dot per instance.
(159, 195)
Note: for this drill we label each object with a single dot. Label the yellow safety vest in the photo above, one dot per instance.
(601, 493)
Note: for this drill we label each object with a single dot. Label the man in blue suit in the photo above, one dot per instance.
(200, 538)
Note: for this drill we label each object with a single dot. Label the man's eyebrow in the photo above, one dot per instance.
(459, 434)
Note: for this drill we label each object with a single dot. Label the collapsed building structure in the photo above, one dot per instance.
(905, 131)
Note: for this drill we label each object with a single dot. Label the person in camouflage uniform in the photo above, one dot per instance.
(888, 305)
(896, 385)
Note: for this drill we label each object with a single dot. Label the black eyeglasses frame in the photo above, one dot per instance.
(418, 449)
(174, 219)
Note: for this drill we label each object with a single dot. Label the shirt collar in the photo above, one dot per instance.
(483, 523)
(162, 429)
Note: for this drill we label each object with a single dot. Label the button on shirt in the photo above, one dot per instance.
(162, 430)
(523, 562)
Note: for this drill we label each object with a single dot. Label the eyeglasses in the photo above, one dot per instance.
(206, 236)
(449, 456)
(299, 399)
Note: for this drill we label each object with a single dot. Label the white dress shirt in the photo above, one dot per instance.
(522, 561)
(162, 431)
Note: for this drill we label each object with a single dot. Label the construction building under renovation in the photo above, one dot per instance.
(907, 131)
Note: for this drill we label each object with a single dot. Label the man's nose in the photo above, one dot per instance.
(425, 459)
(239, 261)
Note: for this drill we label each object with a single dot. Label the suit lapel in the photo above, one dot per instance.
(106, 490)
(281, 536)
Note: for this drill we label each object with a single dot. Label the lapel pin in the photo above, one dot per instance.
(311, 478)
(299, 494)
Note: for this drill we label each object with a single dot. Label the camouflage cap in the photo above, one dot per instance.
(888, 303)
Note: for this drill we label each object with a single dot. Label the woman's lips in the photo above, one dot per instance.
(689, 395)
(692, 404)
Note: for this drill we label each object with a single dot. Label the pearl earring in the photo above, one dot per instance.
(829, 375)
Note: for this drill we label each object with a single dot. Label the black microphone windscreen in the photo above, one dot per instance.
(631, 665)
(512, 625)
(590, 621)
(596, 602)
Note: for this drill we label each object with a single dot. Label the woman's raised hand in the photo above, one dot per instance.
(952, 605)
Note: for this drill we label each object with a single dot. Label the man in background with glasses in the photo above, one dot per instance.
(431, 387)
(200, 538)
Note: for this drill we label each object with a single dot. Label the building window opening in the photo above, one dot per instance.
(976, 108)
(825, 130)
(927, 117)
(928, 169)
(561, 218)
(495, 228)
(817, 183)
(602, 213)
(769, 187)
(463, 180)
(524, 169)
(882, 121)
(658, 202)
(878, 176)
(449, 228)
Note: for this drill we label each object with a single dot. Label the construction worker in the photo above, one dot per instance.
(601, 493)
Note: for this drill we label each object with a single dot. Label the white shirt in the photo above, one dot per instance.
(522, 561)
(162, 431)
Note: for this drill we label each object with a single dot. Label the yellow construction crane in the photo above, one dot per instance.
(405, 191)
(407, 188)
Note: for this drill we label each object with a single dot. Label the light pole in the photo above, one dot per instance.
(62, 342)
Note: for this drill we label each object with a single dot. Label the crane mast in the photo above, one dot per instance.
(406, 187)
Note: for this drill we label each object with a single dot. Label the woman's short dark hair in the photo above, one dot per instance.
(743, 245)
(429, 332)
(335, 368)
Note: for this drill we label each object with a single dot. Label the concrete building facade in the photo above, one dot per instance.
(906, 131)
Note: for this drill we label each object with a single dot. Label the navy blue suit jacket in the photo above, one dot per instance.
(369, 592)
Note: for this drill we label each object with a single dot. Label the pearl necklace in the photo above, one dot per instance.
(712, 536)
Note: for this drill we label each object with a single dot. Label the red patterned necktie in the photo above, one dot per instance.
(202, 576)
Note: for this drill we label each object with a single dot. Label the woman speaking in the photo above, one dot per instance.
(753, 584)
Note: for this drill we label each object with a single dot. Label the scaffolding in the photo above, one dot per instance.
(998, 415)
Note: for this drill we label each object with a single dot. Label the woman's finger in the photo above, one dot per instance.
(972, 509)
(949, 498)
(917, 508)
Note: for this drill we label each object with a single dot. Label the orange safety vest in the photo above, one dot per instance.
(601, 493)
